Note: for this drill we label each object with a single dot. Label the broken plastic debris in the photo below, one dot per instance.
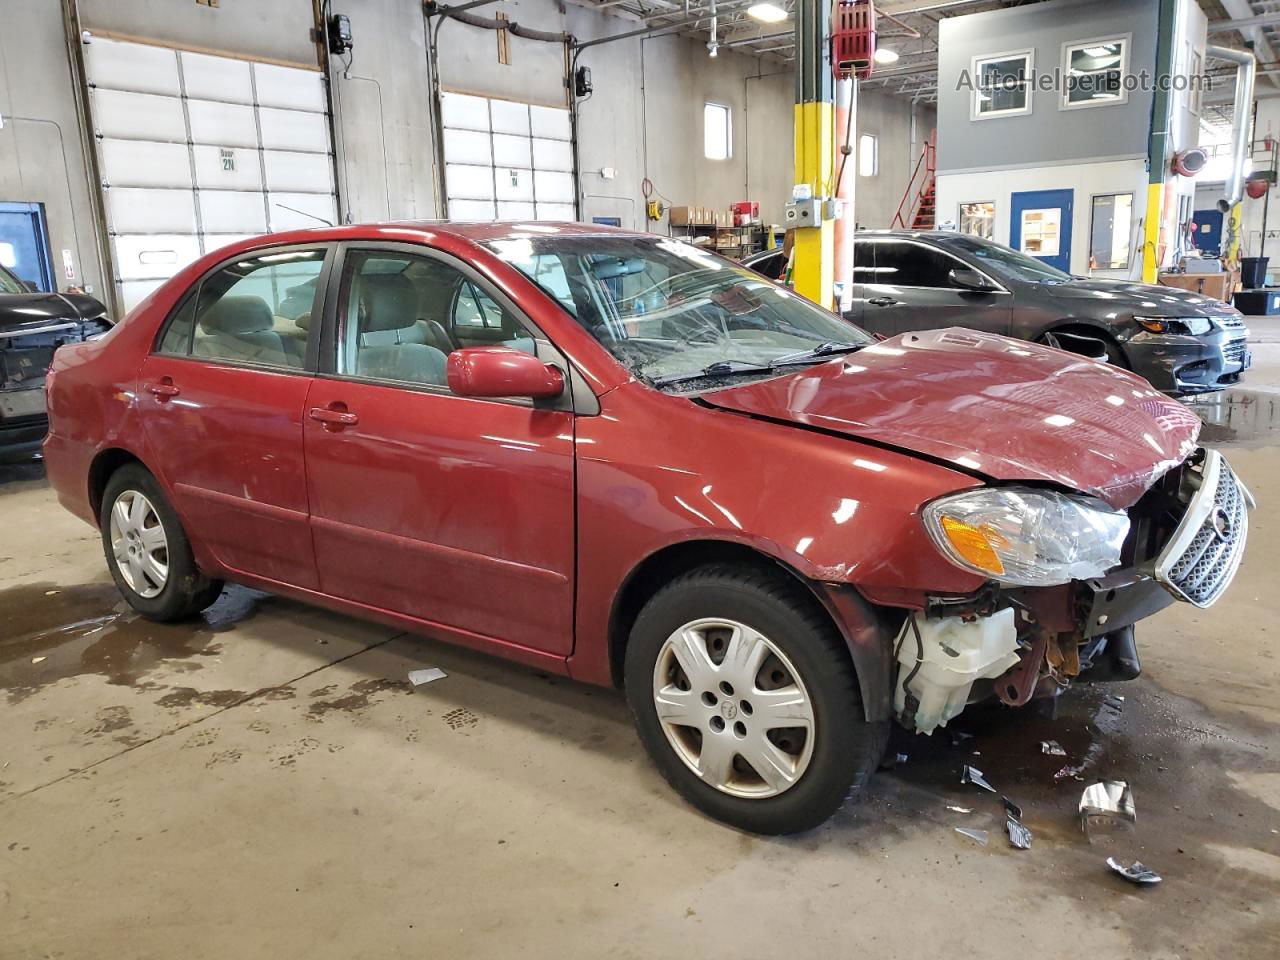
(1136, 872)
(1019, 835)
(952, 806)
(1053, 748)
(1011, 808)
(37, 659)
(980, 836)
(902, 758)
(973, 775)
(1110, 801)
(419, 677)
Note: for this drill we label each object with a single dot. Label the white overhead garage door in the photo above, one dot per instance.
(506, 160)
(197, 151)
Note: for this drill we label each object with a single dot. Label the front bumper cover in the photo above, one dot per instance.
(1184, 364)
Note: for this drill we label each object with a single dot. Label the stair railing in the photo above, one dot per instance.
(922, 177)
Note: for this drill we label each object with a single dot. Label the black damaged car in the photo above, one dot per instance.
(32, 326)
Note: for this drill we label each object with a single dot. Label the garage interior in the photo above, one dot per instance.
(266, 779)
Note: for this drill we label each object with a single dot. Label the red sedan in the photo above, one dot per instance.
(620, 457)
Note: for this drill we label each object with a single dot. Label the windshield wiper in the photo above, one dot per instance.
(720, 368)
(830, 348)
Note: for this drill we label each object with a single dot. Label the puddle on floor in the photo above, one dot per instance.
(50, 632)
(1239, 417)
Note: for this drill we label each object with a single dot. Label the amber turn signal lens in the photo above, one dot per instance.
(975, 544)
(1155, 326)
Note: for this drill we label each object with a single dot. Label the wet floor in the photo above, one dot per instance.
(1239, 416)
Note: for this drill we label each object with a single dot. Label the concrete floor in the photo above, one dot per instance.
(265, 783)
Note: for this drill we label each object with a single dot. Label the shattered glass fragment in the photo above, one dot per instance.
(980, 836)
(1052, 748)
(1107, 803)
(973, 775)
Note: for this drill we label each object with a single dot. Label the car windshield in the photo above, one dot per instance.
(1007, 262)
(672, 312)
(9, 283)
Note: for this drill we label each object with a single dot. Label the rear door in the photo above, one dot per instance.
(453, 510)
(222, 397)
(912, 290)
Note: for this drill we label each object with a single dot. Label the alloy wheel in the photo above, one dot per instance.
(139, 544)
(734, 708)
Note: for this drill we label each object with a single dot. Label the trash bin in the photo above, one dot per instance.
(1253, 272)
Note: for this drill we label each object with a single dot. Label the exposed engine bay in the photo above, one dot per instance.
(1185, 540)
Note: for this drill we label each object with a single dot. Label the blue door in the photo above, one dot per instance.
(24, 244)
(1208, 231)
(1040, 225)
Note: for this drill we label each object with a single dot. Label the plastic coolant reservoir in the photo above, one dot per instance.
(955, 654)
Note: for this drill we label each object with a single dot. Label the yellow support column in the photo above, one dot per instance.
(814, 250)
(1151, 232)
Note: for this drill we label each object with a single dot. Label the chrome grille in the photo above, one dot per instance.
(1234, 351)
(1230, 322)
(1202, 556)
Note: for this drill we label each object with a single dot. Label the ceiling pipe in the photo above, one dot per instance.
(1242, 116)
(1263, 20)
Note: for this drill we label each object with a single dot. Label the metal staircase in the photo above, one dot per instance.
(917, 208)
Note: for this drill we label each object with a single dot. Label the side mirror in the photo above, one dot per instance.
(502, 372)
(970, 279)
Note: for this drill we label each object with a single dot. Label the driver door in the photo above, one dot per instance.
(452, 510)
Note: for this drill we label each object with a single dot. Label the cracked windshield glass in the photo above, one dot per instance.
(677, 314)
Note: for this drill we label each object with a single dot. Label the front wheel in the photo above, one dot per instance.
(147, 550)
(745, 697)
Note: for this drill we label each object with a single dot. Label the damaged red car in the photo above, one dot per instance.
(623, 458)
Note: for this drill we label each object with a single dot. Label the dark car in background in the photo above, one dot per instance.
(32, 326)
(1181, 342)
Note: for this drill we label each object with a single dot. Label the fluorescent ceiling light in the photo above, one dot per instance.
(767, 13)
(1102, 51)
(885, 55)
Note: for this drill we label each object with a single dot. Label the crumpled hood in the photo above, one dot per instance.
(1003, 408)
(1143, 299)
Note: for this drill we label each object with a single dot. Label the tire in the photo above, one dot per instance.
(814, 769)
(183, 590)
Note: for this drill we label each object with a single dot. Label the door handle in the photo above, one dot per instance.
(334, 417)
(163, 389)
(882, 301)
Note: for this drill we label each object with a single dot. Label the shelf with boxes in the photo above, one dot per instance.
(735, 232)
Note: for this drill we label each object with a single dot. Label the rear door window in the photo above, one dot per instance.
(256, 310)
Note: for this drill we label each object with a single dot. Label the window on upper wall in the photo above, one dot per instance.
(1001, 85)
(868, 155)
(717, 132)
(1195, 95)
(1094, 72)
(978, 219)
(1110, 229)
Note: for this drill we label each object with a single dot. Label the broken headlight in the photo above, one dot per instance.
(1027, 538)
(1183, 326)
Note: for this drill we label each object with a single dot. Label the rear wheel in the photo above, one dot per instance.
(147, 550)
(745, 697)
